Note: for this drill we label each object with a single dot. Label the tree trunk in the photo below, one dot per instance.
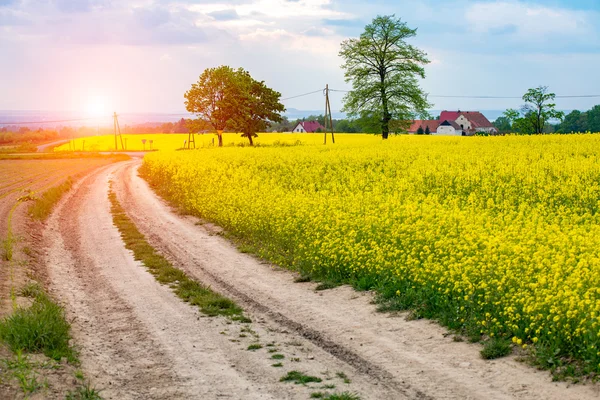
(385, 124)
(220, 135)
(385, 118)
(250, 139)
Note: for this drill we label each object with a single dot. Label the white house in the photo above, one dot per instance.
(307, 127)
(470, 122)
(435, 127)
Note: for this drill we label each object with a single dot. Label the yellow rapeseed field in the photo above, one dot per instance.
(497, 236)
(174, 141)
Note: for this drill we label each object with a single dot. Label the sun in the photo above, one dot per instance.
(96, 107)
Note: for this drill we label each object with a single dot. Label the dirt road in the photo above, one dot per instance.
(140, 341)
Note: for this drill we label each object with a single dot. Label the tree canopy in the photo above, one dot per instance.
(534, 117)
(259, 106)
(384, 70)
(224, 98)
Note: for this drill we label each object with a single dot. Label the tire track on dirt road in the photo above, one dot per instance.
(137, 339)
(414, 358)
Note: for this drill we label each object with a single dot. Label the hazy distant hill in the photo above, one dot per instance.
(53, 119)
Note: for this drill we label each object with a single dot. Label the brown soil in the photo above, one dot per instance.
(18, 178)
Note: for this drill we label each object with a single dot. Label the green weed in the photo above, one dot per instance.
(208, 301)
(495, 348)
(42, 206)
(299, 378)
(84, 392)
(39, 328)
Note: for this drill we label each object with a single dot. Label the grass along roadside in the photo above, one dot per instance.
(42, 206)
(29, 332)
(37, 332)
(208, 301)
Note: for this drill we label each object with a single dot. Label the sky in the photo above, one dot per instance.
(99, 56)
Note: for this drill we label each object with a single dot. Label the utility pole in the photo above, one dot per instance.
(328, 118)
(191, 139)
(117, 128)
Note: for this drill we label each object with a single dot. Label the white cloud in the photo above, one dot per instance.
(529, 21)
(277, 9)
(297, 42)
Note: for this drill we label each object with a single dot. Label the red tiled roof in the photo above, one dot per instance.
(311, 126)
(452, 124)
(478, 120)
(432, 124)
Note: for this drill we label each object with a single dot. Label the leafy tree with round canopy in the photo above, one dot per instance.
(384, 70)
(259, 105)
(225, 98)
(215, 98)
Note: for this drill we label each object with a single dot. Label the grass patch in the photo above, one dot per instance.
(303, 278)
(495, 348)
(255, 346)
(277, 365)
(8, 245)
(325, 285)
(22, 370)
(42, 206)
(208, 301)
(277, 356)
(84, 392)
(342, 396)
(343, 376)
(31, 290)
(39, 328)
(27, 251)
(299, 378)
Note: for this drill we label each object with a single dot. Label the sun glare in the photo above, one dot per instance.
(96, 107)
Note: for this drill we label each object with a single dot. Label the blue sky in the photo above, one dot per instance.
(142, 55)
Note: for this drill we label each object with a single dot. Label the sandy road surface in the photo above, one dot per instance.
(412, 359)
(49, 146)
(138, 340)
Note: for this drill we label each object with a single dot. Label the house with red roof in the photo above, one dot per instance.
(436, 127)
(457, 123)
(470, 122)
(308, 127)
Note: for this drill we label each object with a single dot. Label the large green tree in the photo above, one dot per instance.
(538, 110)
(534, 117)
(230, 99)
(258, 107)
(384, 71)
(215, 98)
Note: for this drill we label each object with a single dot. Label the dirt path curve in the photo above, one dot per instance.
(137, 339)
(416, 358)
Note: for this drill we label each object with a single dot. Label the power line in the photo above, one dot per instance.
(302, 95)
(583, 96)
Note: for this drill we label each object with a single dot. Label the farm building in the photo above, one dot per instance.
(436, 127)
(308, 127)
(470, 122)
(457, 123)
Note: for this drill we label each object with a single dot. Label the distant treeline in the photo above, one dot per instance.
(574, 122)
